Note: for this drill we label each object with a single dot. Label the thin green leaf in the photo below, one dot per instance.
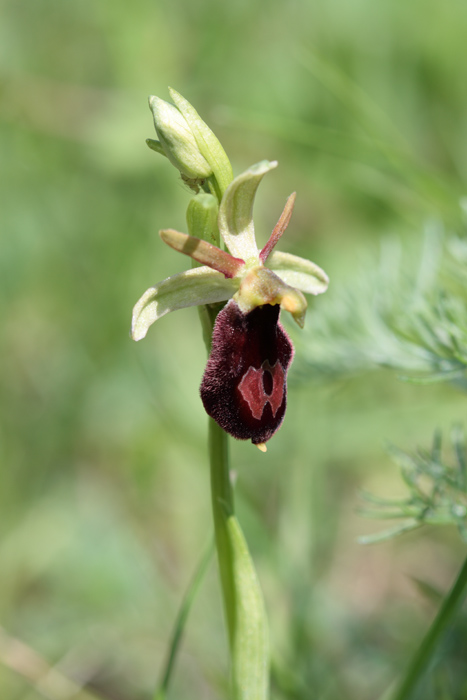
(436, 378)
(427, 590)
(387, 514)
(250, 652)
(458, 441)
(182, 617)
(377, 500)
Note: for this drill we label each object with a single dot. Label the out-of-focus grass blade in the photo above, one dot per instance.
(380, 126)
(389, 159)
(353, 97)
(428, 590)
(381, 146)
(190, 595)
(458, 442)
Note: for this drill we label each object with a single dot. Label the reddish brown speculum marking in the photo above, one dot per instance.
(262, 386)
(244, 385)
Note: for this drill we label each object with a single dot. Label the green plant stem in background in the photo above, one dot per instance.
(424, 653)
(243, 601)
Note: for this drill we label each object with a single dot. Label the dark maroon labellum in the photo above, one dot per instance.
(244, 384)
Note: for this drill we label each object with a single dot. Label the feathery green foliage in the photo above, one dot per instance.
(404, 311)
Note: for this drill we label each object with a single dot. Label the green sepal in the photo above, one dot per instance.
(156, 146)
(208, 143)
(236, 213)
(201, 218)
(298, 272)
(200, 285)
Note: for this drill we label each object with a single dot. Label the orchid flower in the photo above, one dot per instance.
(244, 384)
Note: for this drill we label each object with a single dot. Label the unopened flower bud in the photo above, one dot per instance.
(208, 144)
(201, 217)
(177, 140)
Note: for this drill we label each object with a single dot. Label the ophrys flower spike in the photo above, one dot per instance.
(244, 385)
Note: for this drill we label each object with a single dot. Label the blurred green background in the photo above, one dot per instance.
(104, 491)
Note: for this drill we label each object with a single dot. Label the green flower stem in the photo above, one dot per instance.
(222, 508)
(243, 601)
(424, 653)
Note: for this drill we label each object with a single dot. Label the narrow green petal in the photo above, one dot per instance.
(236, 212)
(201, 285)
(298, 272)
(208, 143)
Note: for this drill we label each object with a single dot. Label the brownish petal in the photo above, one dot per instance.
(279, 228)
(203, 252)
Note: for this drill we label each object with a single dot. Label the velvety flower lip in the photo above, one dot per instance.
(244, 385)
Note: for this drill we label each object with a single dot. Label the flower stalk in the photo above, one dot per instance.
(222, 508)
(244, 385)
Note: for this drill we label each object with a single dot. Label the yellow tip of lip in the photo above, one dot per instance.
(289, 303)
(261, 446)
(296, 306)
